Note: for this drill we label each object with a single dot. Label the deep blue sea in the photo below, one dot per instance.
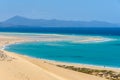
(106, 53)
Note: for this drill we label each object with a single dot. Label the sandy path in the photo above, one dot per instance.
(25, 68)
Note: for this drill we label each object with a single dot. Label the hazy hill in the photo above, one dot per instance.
(22, 21)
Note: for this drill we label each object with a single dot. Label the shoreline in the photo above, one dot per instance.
(54, 62)
(78, 64)
(92, 66)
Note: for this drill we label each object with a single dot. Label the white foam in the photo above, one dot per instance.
(71, 38)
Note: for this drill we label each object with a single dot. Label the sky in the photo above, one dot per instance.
(82, 10)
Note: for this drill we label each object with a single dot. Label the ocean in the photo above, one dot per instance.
(65, 30)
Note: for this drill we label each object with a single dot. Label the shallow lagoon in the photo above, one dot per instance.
(103, 53)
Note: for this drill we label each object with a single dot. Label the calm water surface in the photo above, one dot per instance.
(101, 53)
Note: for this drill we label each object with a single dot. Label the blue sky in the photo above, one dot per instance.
(84, 10)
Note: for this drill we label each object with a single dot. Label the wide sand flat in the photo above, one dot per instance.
(19, 67)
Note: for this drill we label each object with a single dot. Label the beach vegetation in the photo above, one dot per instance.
(110, 75)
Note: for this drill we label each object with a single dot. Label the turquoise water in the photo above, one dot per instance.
(100, 53)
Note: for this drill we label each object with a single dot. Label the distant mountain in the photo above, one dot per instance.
(22, 21)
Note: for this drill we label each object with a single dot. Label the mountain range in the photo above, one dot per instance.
(18, 21)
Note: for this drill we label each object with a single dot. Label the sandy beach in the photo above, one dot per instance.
(19, 67)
